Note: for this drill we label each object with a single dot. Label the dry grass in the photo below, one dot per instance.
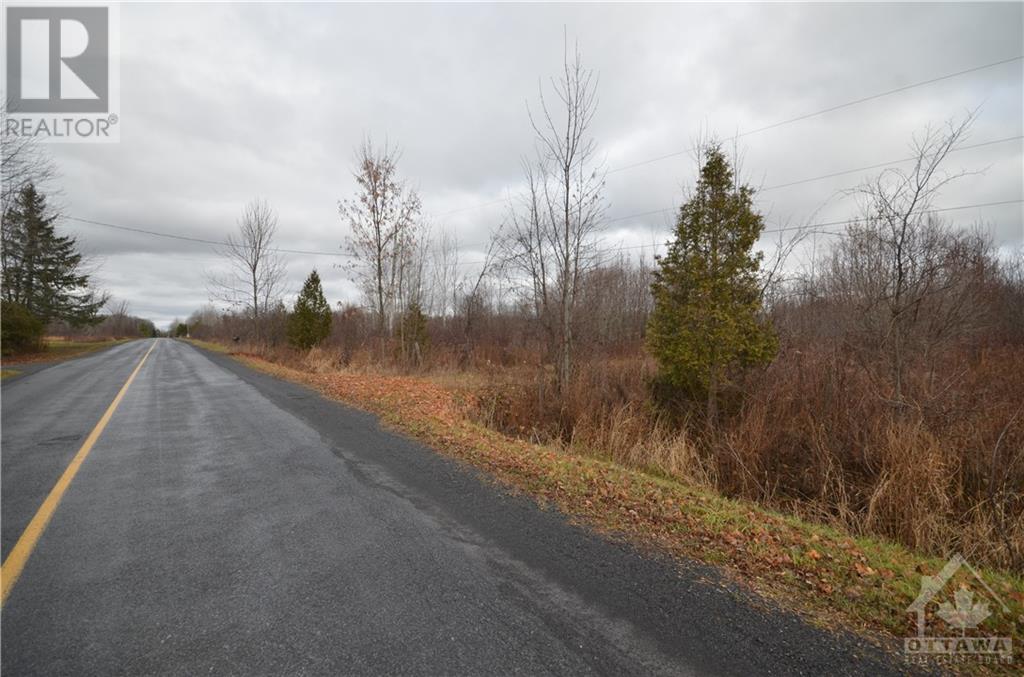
(815, 435)
(834, 577)
(812, 437)
(57, 348)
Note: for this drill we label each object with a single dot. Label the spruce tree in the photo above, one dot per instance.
(707, 324)
(43, 271)
(311, 322)
(413, 335)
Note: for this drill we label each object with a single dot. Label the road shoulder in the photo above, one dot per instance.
(19, 367)
(690, 610)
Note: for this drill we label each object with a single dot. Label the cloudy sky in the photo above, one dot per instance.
(224, 102)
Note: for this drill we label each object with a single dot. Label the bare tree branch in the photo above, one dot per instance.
(256, 271)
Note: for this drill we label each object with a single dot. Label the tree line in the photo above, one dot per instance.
(874, 382)
(705, 310)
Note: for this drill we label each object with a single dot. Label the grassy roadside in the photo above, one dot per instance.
(56, 350)
(833, 579)
(8, 373)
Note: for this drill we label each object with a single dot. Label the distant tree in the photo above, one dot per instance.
(205, 323)
(310, 323)
(119, 321)
(551, 238)
(414, 339)
(383, 219)
(147, 329)
(42, 271)
(257, 269)
(181, 330)
(706, 321)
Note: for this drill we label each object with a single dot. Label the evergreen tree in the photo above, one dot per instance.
(311, 322)
(413, 337)
(20, 331)
(43, 271)
(707, 320)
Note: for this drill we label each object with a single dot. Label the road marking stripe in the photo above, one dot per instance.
(15, 562)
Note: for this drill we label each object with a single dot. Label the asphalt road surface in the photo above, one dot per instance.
(226, 522)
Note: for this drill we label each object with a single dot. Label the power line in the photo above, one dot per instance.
(638, 164)
(886, 164)
(830, 109)
(810, 227)
(780, 123)
(826, 176)
(199, 240)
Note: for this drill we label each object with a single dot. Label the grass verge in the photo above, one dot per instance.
(831, 578)
(210, 345)
(8, 373)
(56, 350)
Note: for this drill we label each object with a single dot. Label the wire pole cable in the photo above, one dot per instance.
(826, 176)
(781, 123)
(186, 238)
(219, 243)
(809, 227)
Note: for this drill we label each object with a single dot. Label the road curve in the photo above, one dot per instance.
(227, 522)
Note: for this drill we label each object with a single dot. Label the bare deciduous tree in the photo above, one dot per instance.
(23, 160)
(256, 276)
(472, 291)
(907, 278)
(446, 282)
(527, 256)
(551, 235)
(383, 218)
(119, 320)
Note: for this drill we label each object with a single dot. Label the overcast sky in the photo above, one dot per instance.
(224, 102)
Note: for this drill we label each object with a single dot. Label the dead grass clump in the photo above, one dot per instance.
(816, 435)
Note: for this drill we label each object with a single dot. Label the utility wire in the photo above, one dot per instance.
(638, 164)
(780, 123)
(199, 240)
(811, 227)
(830, 109)
(825, 176)
(808, 227)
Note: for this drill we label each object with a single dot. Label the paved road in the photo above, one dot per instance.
(230, 523)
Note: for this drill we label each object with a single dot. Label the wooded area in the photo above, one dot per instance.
(875, 384)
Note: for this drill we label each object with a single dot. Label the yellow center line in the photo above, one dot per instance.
(15, 562)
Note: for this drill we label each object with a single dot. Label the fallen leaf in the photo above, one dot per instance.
(863, 569)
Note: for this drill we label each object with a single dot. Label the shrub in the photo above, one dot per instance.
(413, 337)
(310, 324)
(21, 331)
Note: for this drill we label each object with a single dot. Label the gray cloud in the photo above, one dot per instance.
(221, 103)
